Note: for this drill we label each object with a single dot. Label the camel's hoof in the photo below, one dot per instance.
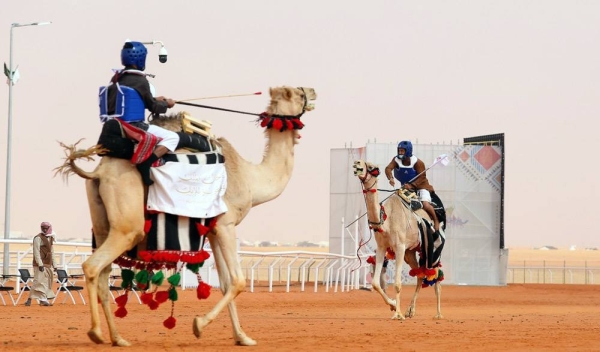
(438, 317)
(197, 327)
(121, 342)
(410, 313)
(95, 336)
(245, 341)
(398, 317)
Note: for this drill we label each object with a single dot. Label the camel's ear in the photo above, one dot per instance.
(288, 93)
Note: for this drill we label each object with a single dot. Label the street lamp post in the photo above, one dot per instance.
(6, 262)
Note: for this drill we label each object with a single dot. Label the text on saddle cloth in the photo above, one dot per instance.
(189, 185)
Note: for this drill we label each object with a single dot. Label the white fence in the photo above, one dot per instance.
(583, 273)
(332, 271)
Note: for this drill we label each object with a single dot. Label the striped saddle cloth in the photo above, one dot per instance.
(185, 199)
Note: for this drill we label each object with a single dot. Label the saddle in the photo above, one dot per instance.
(432, 242)
(119, 141)
(410, 198)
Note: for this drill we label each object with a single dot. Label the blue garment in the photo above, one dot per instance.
(129, 88)
(129, 106)
(405, 173)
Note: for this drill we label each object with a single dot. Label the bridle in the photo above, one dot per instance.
(372, 174)
(294, 116)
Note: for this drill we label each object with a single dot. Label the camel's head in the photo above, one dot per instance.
(289, 101)
(362, 169)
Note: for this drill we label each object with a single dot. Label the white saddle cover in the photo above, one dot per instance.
(192, 190)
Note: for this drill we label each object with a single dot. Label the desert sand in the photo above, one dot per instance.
(512, 318)
(518, 317)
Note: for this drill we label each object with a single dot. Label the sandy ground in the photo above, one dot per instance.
(512, 318)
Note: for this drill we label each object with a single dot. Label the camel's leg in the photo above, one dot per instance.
(412, 308)
(230, 271)
(100, 232)
(376, 279)
(96, 270)
(411, 259)
(400, 249)
(438, 296)
(239, 335)
(126, 229)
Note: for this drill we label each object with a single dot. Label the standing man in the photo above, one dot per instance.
(43, 266)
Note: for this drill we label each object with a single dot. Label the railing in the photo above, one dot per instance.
(332, 271)
(553, 272)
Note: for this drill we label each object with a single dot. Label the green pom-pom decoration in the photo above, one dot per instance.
(158, 278)
(174, 279)
(173, 294)
(142, 277)
(126, 278)
(193, 267)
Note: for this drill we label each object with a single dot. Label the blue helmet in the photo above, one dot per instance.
(134, 53)
(406, 145)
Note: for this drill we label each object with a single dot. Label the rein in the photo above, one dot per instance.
(262, 115)
(216, 108)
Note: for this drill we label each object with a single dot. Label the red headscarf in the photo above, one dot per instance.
(47, 231)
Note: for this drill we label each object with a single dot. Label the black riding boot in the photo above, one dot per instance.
(193, 141)
(144, 169)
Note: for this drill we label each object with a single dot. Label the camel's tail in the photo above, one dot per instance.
(72, 154)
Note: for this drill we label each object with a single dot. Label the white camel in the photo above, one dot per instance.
(116, 195)
(396, 229)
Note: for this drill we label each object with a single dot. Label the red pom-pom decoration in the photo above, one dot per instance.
(162, 296)
(203, 290)
(121, 312)
(146, 297)
(121, 300)
(264, 122)
(277, 124)
(170, 322)
(153, 305)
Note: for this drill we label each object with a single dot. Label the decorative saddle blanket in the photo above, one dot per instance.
(431, 242)
(191, 185)
(183, 203)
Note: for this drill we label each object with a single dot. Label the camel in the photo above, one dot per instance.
(396, 229)
(116, 195)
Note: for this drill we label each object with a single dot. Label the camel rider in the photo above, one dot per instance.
(128, 96)
(410, 171)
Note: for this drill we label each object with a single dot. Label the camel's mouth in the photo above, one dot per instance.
(360, 169)
(310, 95)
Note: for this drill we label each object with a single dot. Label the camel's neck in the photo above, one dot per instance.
(269, 178)
(373, 207)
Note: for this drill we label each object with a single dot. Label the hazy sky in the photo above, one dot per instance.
(434, 71)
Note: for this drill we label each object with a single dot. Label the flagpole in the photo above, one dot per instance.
(438, 160)
(6, 261)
